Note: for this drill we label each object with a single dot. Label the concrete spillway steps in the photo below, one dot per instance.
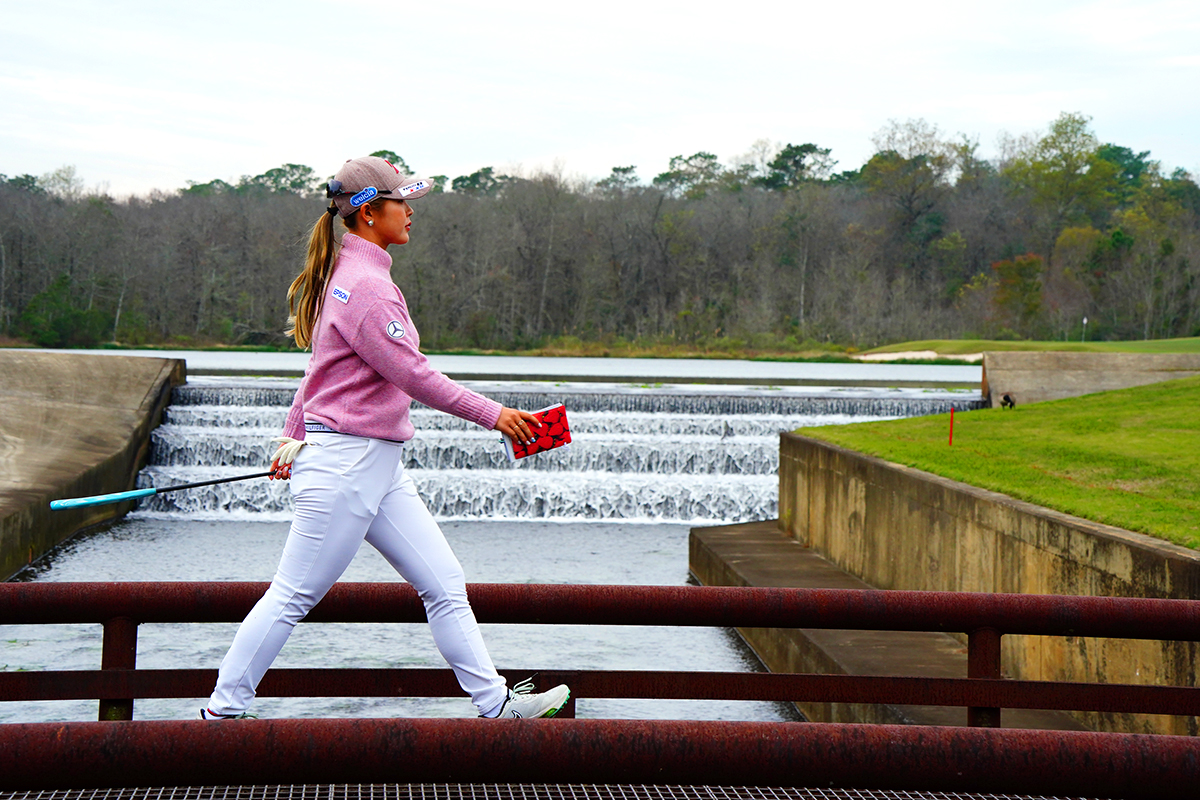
(694, 456)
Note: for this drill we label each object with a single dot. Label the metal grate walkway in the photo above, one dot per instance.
(451, 791)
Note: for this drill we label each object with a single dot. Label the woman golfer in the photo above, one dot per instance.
(344, 439)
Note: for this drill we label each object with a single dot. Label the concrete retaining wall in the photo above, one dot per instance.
(901, 528)
(759, 554)
(72, 425)
(1033, 377)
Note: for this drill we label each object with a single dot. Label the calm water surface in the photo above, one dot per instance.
(564, 368)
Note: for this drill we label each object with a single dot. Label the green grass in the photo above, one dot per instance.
(1129, 458)
(966, 346)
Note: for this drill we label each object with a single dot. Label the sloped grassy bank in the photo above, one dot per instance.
(1106, 500)
(1129, 458)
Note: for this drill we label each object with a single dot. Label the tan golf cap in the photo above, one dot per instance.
(361, 180)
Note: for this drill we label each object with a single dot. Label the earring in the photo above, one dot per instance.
(370, 223)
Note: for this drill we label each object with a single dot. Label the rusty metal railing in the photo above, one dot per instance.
(984, 619)
(585, 752)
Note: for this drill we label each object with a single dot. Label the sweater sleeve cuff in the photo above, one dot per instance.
(294, 427)
(478, 409)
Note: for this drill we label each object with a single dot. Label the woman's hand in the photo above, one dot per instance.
(517, 425)
(281, 462)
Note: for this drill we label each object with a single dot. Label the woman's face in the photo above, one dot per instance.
(393, 220)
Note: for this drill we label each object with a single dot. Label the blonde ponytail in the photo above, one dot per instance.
(307, 292)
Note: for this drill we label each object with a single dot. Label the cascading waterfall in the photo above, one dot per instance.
(678, 454)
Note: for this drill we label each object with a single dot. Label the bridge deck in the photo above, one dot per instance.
(453, 791)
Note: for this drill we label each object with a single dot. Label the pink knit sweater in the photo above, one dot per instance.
(365, 368)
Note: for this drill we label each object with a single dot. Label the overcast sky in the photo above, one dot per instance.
(141, 96)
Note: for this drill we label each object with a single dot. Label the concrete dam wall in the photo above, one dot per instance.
(73, 425)
(900, 528)
(1034, 377)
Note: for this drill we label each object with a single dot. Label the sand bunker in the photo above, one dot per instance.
(916, 355)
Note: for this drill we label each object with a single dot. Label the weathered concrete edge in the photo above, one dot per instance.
(1120, 536)
(896, 527)
(1026, 376)
(762, 554)
(32, 531)
(789, 649)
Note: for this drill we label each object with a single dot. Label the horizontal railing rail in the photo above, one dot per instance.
(638, 684)
(983, 618)
(570, 604)
(365, 752)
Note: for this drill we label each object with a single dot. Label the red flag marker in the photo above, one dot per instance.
(952, 427)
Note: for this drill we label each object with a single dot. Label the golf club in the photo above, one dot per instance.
(104, 499)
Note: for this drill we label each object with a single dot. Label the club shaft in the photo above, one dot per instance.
(210, 483)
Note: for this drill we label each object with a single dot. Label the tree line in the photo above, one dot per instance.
(777, 248)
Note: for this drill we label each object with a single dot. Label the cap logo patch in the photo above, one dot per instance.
(341, 294)
(363, 196)
(395, 330)
(411, 188)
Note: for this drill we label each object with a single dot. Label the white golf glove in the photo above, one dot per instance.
(281, 462)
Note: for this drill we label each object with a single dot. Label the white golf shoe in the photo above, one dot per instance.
(522, 703)
(206, 714)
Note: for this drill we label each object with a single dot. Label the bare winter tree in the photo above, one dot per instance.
(773, 248)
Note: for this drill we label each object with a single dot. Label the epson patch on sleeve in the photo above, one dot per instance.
(341, 294)
(395, 330)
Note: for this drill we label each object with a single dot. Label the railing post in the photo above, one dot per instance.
(119, 652)
(983, 661)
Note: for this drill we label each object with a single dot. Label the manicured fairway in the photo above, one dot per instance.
(964, 346)
(1129, 458)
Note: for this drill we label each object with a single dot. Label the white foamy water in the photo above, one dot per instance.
(691, 455)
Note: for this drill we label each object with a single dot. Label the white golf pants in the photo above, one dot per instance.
(348, 488)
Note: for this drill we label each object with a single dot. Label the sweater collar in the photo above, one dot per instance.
(360, 249)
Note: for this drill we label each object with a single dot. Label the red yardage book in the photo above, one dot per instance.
(555, 432)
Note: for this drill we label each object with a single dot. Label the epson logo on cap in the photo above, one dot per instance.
(405, 191)
(363, 196)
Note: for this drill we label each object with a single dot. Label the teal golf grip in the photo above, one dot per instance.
(100, 499)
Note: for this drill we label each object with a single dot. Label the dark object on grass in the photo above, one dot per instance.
(1007, 401)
